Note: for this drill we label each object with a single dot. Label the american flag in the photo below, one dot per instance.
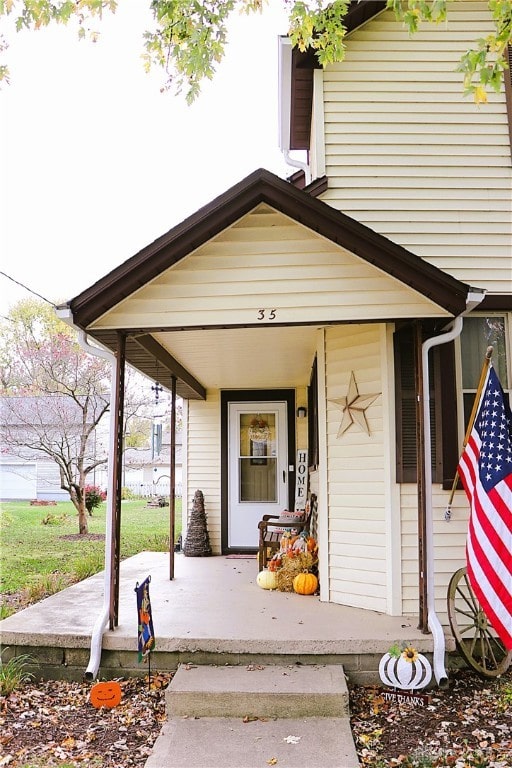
(485, 469)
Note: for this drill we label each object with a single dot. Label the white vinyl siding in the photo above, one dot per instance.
(412, 158)
(449, 546)
(266, 262)
(203, 462)
(357, 485)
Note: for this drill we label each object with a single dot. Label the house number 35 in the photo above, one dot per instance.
(266, 314)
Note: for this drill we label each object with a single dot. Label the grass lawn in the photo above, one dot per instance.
(41, 555)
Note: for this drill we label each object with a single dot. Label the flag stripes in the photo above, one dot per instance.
(485, 469)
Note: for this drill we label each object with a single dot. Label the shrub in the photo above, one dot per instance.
(94, 496)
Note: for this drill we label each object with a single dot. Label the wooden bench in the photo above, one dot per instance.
(271, 529)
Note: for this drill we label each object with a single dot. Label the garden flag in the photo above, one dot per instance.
(485, 469)
(145, 634)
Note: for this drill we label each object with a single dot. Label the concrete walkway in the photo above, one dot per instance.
(246, 717)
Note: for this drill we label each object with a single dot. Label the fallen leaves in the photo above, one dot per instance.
(467, 726)
(53, 722)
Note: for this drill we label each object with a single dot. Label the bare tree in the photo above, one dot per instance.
(54, 397)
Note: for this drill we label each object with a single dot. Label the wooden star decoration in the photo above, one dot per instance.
(354, 407)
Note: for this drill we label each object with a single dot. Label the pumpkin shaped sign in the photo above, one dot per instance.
(408, 671)
(105, 694)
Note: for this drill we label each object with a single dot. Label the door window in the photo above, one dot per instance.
(257, 457)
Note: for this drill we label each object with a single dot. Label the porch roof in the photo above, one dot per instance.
(146, 343)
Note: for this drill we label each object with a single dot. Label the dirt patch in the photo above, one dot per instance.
(54, 722)
(469, 725)
(83, 536)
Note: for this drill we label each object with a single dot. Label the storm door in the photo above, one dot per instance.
(257, 468)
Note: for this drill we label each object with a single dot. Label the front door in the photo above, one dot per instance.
(257, 468)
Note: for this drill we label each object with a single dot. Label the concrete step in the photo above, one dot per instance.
(292, 691)
(221, 742)
(254, 716)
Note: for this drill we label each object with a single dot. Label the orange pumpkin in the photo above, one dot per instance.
(305, 583)
(105, 694)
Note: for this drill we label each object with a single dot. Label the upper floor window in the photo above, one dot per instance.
(478, 333)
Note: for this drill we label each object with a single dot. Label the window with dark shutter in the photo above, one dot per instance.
(443, 407)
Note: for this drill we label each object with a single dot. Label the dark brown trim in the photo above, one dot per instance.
(263, 186)
(148, 343)
(172, 478)
(314, 188)
(417, 340)
(303, 64)
(118, 481)
(496, 302)
(317, 187)
(313, 433)
(297, 179)
(241, 396)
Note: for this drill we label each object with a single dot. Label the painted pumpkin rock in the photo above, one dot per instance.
(105, 694)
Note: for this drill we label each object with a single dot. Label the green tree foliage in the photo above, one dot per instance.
(189, 36)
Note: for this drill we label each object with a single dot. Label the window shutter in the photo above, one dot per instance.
(405, 405)
(443, 409)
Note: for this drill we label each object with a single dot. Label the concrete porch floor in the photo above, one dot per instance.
(212, 612)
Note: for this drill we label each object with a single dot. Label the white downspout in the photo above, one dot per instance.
(434, 624)
(102, 621)
(298, 164)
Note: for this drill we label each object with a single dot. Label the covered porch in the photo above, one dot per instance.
(211, 612)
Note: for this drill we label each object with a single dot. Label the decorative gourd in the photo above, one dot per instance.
(266, 579)
(409, 671)
(305, 583)
(275, 563)
(105, 694)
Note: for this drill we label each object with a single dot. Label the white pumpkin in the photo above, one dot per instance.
(266, 579)
(406, 675)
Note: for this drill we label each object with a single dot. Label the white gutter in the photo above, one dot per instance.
(101, 622)
(473, 300)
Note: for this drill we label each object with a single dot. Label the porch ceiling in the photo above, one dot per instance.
(244, 358)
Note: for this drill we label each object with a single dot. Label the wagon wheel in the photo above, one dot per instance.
(476, 639)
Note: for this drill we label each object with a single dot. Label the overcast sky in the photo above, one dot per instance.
(96, 162)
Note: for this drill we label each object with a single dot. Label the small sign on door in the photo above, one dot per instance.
(301, 480)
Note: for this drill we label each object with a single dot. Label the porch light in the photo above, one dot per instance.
(301, 412)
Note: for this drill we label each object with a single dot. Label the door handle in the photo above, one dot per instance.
(284, 476)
